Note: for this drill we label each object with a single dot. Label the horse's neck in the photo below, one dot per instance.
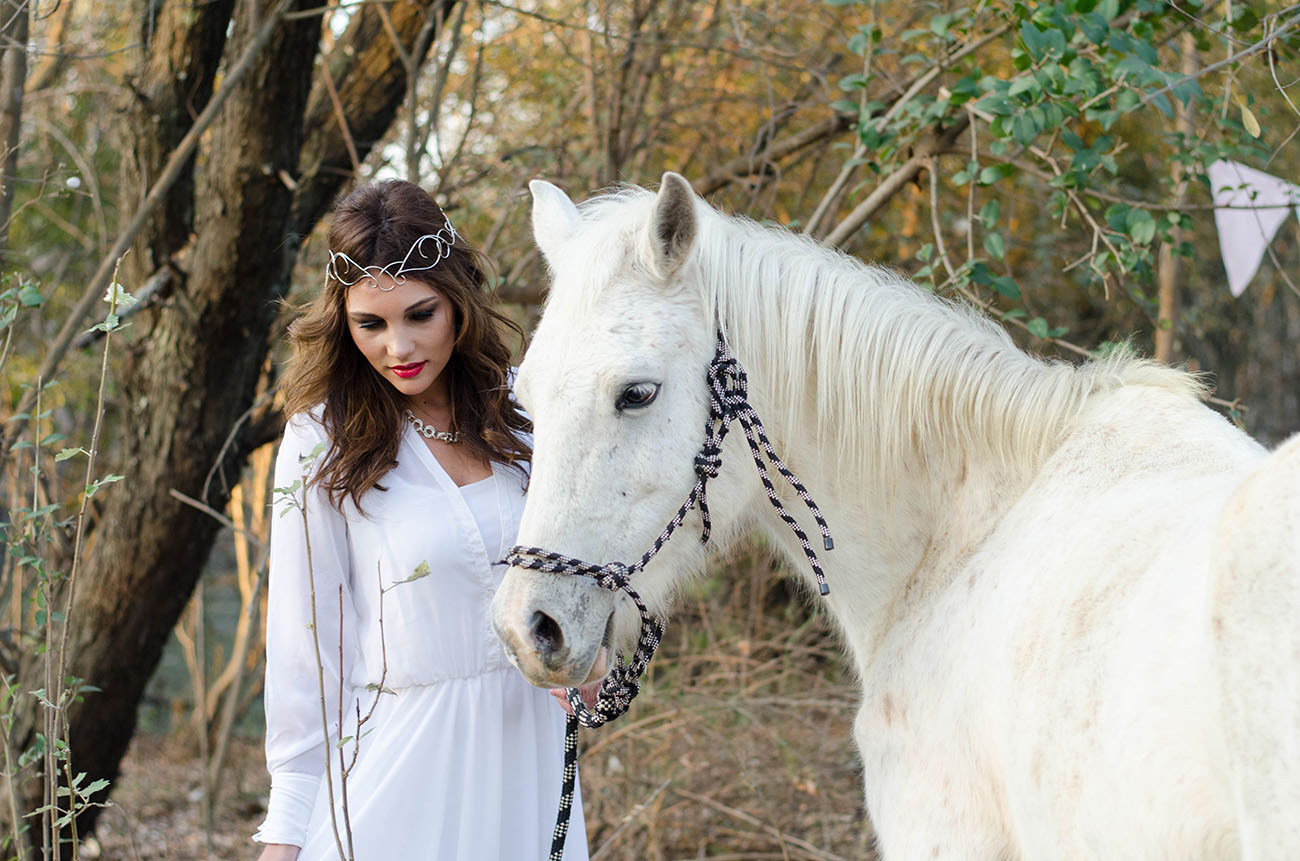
(906, 451)
(895, 546)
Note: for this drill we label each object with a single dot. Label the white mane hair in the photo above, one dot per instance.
(925, 375)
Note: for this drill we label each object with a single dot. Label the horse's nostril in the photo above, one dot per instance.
(546, 632)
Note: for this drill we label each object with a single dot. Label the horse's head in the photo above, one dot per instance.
(614, 382)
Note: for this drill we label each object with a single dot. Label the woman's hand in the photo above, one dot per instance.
(279, 852)
(588, 692)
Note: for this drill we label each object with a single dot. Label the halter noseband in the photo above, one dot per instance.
(728, 402)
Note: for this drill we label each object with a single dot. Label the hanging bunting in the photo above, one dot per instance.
(1261, 202)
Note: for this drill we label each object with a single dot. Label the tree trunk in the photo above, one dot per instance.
(15, 18)
(182, 45)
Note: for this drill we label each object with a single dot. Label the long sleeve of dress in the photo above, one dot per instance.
(309, 552)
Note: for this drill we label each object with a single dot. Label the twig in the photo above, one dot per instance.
(890, 186)
(628, 818)
(780, 835)
(341, 117)
(218, 516)
(934, 220)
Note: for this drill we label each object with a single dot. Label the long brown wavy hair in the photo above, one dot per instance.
(374, 226)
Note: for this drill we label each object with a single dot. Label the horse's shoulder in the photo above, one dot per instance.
(1260, 525)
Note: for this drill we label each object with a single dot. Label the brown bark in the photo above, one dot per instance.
(183, 45)
(15, 20)
(1169, 268)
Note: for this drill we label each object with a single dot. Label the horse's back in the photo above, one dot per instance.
(1256, 629)
(1109, 705)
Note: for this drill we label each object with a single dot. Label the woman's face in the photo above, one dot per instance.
(405, 330)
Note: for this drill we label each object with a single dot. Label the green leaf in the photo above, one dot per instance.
(1033, 39)
(993, 244)
(990, 213)
(1244, 18)
(1038, 327)
(1187, 90)
(939, 24)
(1023, 129)
(30, 296)
(421, 571)
(94, 486)
(1141, 226)
(1025, 84)
(94, 786)
(990, 175)
(855, 81)
(845, 106)
(1006, 286)
(66, 453)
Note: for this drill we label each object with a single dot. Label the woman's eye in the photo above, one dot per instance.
(368, 324)
(422, 315)
(636, 396)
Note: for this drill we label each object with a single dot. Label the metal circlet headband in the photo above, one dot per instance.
(443, 240)
(728, 401)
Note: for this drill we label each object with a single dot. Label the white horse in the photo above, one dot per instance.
(1071, 594)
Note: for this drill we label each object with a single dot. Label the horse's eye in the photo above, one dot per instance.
(636, 396)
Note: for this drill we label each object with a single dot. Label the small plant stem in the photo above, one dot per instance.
(56, 664)
(343, 768)
(15, 821)
(320, 667)
(49, 840)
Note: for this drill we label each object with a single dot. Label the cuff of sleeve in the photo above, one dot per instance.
(288, 810)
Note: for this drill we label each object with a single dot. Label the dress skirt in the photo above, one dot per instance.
(451, 771)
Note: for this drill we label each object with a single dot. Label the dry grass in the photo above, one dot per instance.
(739, 747)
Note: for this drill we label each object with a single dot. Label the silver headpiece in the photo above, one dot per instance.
(348, 272)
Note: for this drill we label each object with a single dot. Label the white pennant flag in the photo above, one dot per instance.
(1244, 234)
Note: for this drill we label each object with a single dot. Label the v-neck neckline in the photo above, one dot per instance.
(440, 472)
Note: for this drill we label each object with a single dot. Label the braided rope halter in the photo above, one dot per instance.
(728, 402)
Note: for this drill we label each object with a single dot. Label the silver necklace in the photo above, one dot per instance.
(429, 431)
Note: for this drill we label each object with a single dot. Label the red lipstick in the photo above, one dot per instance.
(408, 371)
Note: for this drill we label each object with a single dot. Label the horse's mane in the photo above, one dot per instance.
(896, 372)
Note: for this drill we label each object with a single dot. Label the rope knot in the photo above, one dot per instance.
(709, 459)
(613, 576)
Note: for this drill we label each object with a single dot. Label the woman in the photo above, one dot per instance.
(401, 478)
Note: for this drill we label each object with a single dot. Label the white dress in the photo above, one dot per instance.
(461, 758)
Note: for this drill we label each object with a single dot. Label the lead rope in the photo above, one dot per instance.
(728, 402)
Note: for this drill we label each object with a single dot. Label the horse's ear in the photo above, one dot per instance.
(555, 218)
(672, 226)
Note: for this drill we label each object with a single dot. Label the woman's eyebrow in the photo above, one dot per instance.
(414, 306)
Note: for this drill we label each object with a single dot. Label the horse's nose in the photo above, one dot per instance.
(548, 638)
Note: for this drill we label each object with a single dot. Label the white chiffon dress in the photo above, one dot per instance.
(461, 757)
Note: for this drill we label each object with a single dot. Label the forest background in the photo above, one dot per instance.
(1046, 162)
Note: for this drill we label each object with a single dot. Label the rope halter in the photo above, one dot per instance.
(728, 403)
